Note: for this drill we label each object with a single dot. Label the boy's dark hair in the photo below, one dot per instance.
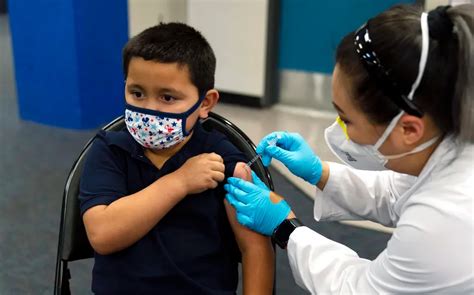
(175, 43)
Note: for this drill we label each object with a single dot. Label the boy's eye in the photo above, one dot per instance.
(168, 98)
(136, 94)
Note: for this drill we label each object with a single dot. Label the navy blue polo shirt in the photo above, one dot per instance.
(192, 250)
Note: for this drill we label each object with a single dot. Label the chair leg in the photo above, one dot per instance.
(66, 288)
(61, 286)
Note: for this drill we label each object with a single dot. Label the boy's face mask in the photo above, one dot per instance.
(364, 157)
(155, 129)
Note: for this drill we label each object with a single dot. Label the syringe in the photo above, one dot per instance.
(271, 142)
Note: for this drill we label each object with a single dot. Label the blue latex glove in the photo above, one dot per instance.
(293, 151)
(253, 205)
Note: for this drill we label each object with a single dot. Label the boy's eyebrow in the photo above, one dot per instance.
(162, 90)
(134, 85)
(337, 108)
(172, 90)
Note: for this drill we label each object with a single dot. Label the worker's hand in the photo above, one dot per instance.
(254, 206)
(293, 151)
(201, 172)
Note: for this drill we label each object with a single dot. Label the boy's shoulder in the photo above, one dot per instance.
(211, 139)
(121, 139)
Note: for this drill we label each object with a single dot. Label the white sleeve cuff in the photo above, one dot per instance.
(324, 207)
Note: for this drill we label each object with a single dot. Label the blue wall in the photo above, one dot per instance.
(310, 30)
(67, 56)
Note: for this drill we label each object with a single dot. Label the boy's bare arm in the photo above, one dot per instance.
(116, 226)
(257, 252)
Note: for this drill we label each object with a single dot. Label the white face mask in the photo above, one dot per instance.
(364, 157)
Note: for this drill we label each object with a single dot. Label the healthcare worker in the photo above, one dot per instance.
(403, 87)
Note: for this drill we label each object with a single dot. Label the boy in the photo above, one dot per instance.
(152, 197)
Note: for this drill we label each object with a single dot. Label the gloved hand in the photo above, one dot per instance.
(293, 151)
(253, 205)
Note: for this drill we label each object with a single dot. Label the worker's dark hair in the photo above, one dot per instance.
(175, 43)
(446, 91)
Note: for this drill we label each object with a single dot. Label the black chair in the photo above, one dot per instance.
(73, 243)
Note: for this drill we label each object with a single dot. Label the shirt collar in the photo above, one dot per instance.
(124, 140)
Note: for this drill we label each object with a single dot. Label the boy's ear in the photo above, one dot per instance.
(208, 103)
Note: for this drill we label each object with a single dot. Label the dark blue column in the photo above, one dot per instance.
(67, 57)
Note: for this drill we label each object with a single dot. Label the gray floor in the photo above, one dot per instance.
(35, 160)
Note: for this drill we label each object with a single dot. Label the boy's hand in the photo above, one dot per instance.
(202, 172)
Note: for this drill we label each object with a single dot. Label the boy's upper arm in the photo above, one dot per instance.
(234, 161)
(242, 171)
(231, 155)
(103, 179)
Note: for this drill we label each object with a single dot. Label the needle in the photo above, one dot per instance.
(270, 142)
(249, 163)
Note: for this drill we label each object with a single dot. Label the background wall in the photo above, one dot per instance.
(310, 32)
(146, 13)
(236, 30)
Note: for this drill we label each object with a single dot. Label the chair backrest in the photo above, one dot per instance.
(73, 243)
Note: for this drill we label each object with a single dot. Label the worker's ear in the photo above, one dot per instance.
(208, 103)
(412, 129)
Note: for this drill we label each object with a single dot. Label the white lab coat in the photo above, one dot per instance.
(431, 249)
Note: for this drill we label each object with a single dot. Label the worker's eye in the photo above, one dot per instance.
(345, 120)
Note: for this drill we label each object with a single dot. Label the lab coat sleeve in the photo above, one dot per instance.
(429, 252)
(352, 194)
(322, 266)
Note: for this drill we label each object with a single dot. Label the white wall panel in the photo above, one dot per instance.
(237, 31)
(143, 14)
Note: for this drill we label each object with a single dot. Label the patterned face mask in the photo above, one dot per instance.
(155, 129)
